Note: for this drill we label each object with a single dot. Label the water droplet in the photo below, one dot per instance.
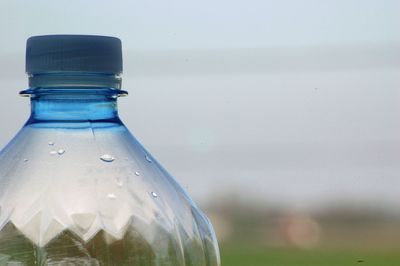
(61, 152)
(148, 158)
(137, 173)
(111, 196)
(53, 152)
(50, 143)
(154, 194)
(107, 158)
(119, 182)
(25, 160)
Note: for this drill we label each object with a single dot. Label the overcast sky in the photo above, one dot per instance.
(295, 102)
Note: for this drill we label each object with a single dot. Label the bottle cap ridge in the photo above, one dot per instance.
(73, 53)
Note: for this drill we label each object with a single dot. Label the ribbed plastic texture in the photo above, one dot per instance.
(73, 53)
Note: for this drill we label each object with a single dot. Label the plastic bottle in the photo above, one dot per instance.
(76, 188)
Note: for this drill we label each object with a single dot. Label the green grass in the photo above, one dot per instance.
(234, 256)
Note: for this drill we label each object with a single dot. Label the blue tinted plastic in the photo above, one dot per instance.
(77, 188)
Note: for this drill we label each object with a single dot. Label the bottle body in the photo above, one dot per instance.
(76, 188)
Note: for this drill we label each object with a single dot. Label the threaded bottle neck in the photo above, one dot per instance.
(76, 97)
(74, 79)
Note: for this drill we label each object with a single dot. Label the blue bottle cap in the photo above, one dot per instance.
(73, 53)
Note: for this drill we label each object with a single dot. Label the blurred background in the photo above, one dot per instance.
(280, 118)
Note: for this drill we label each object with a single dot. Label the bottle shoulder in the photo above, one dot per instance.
(85, 173)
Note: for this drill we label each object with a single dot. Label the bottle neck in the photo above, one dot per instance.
(73, 98)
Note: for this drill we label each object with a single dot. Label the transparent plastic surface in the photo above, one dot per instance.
(76, 188)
